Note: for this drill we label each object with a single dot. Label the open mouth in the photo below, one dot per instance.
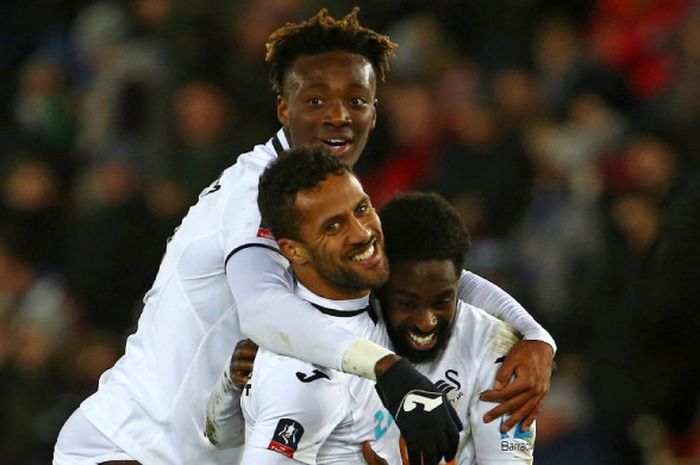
(365, 255)
(338, 145)
(421, 341)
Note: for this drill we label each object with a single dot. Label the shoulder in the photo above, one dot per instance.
(482, 331)
(248, 167)
(286, 385)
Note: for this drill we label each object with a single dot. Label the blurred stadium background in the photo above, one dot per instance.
(566, 133)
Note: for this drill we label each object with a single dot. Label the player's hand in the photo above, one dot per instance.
(370, 456)
(242, 362)
(427, 421)
(529, 365)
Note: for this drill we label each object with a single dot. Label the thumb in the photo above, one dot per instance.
(370, 456)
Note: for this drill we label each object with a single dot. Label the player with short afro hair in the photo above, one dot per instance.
(436, 230)
(321, 34)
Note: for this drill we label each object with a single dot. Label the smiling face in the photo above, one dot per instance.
(340, 251)
(329, 100)
(419, 303)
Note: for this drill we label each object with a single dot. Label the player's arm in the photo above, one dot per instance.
(491, 445)
(523, 379)
(281, 322)
(225, 425)
(276, 319)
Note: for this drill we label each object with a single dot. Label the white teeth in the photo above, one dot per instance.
(336, 142)
(421, 340)
(364, 255)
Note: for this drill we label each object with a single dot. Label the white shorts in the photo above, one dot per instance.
(80, 443)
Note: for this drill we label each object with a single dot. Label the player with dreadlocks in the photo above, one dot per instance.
(222, 276)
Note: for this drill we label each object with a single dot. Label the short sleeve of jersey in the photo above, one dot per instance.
(490, 446)
(291, 407)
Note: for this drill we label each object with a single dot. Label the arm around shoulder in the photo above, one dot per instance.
(486, 295)
(273, 317)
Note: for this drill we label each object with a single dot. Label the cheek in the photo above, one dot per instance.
(365, 123)
(446, 318)
(397, 319)
(304, 122)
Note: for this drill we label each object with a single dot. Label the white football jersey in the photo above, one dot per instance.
(313, 414)
(465, 368)
(151, 403)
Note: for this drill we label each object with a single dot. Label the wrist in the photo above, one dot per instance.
(541, 335)
(227, 381)
(362, 357)
(386, 362)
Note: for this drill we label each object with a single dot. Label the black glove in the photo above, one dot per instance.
(428, 422)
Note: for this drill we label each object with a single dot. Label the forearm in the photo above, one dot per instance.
(274, 318)
(225, 425)
(482, 293)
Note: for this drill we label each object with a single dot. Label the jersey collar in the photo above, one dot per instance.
(278, 143)
(349, 307)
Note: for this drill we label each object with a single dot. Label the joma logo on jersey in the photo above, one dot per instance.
(451, 387)
(316, 374)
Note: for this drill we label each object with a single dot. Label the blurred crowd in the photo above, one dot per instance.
(566, 133)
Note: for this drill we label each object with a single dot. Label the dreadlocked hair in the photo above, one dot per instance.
(423, 226)
(321, 34)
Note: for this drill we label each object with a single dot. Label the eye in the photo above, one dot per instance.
(364, 206)
(314, 101)
(333, 226)
(359, 101)
(442, 304)
(404, 304)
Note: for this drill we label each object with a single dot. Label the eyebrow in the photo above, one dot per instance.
(364, 199)
(323, 86)
(443, 294)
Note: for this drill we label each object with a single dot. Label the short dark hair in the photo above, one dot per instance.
(321, 34)
(294, 170)
(423, 226)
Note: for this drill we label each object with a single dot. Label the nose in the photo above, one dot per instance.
(360, 232)
(424, 319)
(337, 113)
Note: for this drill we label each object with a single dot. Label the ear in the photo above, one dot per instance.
(282, 111)
(374, 114)
(294, 251)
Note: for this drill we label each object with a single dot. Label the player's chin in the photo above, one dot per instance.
(419, 356)
(374, 278)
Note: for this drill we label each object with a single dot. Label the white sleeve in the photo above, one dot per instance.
(225, 425)
(276, 319)
(482, 293)
(288, 417)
